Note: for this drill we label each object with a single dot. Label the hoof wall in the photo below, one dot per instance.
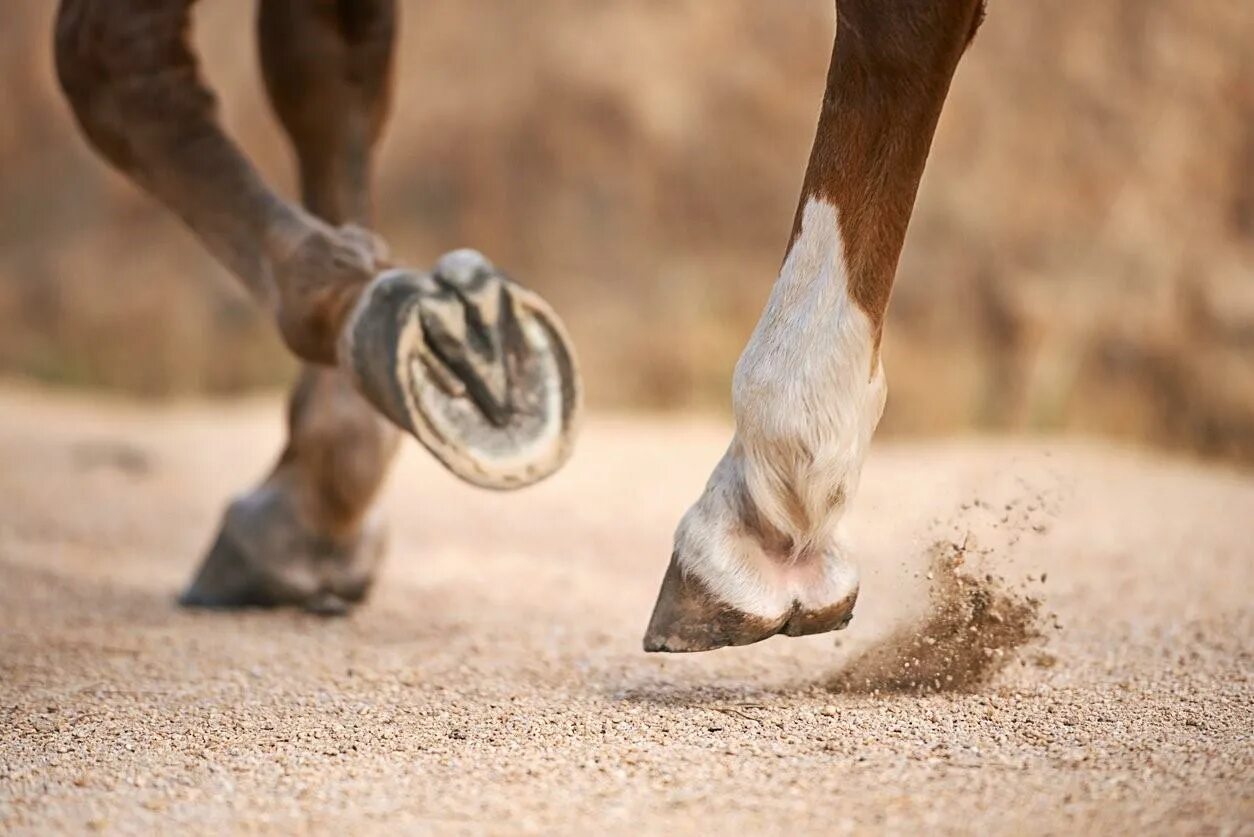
(263, 557)
(688, 617)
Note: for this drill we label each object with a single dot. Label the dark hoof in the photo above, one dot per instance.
(688, 617)
(264, 557)
(476, 367)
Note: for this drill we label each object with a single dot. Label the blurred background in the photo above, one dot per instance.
(1081, 257)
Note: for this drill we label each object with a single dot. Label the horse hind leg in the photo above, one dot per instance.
(309, 534)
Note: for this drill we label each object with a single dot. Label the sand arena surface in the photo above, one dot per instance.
(495, 682)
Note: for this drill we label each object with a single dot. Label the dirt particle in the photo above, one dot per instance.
(968, 634)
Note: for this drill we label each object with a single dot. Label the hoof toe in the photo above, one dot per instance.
(227, 579)
(688, 617)
(477, 368)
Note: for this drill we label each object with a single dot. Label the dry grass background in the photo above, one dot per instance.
(1081, 257)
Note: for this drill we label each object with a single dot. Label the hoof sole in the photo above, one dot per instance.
(477, 368)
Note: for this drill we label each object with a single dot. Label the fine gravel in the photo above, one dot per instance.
(1052, 637)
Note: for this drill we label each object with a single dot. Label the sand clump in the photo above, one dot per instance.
(972, 628)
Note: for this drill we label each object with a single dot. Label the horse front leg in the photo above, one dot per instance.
(760, 553)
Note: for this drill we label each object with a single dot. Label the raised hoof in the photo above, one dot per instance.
(689, 617)
(264, 557)
(479, 369)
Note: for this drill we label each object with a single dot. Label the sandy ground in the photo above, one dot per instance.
(495, 682)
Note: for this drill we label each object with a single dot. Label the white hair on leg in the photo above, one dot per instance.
(807, 394)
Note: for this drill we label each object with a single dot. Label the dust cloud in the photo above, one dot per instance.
(972, 628)
(974, 622)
